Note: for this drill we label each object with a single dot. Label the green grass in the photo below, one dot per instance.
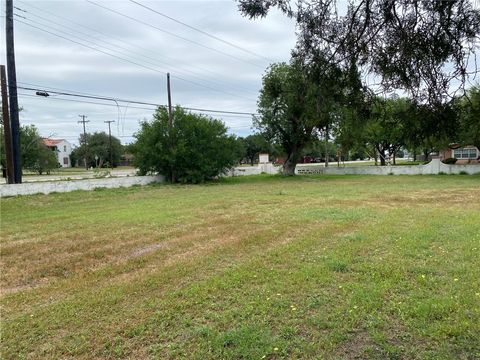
(333, 267)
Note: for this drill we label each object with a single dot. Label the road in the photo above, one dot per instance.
(74, 175)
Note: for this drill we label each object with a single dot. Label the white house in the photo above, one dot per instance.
(62, 149)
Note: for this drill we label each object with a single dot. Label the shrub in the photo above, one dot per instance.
(195, 149)
(450, 161)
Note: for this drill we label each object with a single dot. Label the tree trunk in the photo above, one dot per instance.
(290, 164)
(414, 155)
(382, 160)
(381, 155)
(426, 153)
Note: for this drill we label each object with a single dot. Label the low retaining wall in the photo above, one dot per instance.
(267, 168)
(432, 168)
(47, 187)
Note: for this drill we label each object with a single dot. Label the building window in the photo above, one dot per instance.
(64, 148)
(65, 161)
(465, 153)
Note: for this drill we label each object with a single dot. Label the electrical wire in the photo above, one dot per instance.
(128, 51)
(201, 31)
(125, 59)
(203, 69)
(106, 98)
(173, 34)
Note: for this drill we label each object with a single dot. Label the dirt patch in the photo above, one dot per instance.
(146, 250)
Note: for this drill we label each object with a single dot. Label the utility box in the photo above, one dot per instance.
(263, 158)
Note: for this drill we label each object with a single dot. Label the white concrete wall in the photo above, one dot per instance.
(267, 168)
(72, 185)
(433, 167)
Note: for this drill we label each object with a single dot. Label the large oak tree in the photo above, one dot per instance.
(425, 48)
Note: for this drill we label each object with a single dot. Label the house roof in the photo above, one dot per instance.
(52, 142)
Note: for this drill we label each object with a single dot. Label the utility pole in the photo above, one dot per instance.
(110, 141)
(12, 92)
(170, 115)
(83, 121)
(6, 128)
(326, 145)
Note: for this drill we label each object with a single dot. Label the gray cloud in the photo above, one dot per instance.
(51, 61)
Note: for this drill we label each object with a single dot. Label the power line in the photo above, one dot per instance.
(239, 116)
(111, 44)
(203, 69)
(173, 34)
(201, 31)
(123, 58)
(106, 98)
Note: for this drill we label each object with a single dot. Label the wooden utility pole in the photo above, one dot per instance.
(170, 115)
(110, 141)
(12, 93)
(326, 145)
(83, 121)
(6, 128)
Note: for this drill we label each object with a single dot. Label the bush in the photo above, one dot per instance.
(195, 149)
(450, 161)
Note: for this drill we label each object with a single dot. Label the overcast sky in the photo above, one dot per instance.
(122, 50)
(210, 74)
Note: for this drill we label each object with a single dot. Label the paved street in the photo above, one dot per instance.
(74, 175)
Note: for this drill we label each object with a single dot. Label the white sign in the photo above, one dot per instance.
(263, 158)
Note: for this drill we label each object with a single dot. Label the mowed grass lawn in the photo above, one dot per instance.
(347, 267)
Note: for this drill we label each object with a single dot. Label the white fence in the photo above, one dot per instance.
(433, 167)
(267, 168)
(46, 187)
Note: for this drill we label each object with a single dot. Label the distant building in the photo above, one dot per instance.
(62, 149)
(464, 155)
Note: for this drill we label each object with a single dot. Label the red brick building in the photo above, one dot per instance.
(464, 155)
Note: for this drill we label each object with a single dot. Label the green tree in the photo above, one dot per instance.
(195, 149)
(385, 128)
(430, 127)
(382, 130)
(98, 144)
(318, 148)
(35, 155)
(469, 133)
(295, 102)
(254, 145)
(422, 47)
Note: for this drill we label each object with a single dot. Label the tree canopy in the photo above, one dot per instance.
(421, 47)
(35, 155)
(98, 144)
(296, 101)
(253, 145)
(195, 149)
(469, 127)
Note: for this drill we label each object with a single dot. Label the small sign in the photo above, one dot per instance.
(263, 158)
